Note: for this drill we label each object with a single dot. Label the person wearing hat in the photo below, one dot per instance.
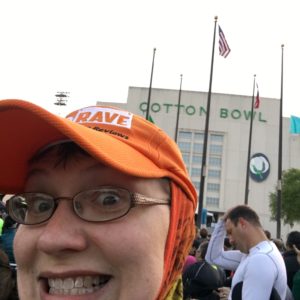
(80, 183)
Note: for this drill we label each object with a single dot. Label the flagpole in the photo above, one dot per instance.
(178, 110)
(203, 165)
(279, 182)
(150, 86)
(249, 145)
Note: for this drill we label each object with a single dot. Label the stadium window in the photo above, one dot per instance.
(196, 172)
(214, 173)
(214, 187)
(185, 135)
(215, 149)
(216, 137)
(184, 146)
(197, 148)
(196, 159)
(212, 201)
(215, 161)
(198, 136)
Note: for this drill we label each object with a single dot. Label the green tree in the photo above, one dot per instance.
(290, 198)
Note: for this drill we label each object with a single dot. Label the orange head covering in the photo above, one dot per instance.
(118, 138)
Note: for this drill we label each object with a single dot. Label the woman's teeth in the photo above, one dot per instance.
(76, 285)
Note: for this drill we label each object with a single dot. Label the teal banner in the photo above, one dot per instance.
(295, 125)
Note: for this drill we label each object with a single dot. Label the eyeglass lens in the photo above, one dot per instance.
(93, 205)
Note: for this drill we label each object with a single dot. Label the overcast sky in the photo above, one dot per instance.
(96, 49)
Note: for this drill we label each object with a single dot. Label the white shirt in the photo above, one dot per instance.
(260, 270)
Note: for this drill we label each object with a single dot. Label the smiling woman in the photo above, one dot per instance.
(105, 204)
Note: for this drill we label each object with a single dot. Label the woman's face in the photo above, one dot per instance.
(122, 259)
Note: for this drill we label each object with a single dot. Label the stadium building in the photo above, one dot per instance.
(228, 141)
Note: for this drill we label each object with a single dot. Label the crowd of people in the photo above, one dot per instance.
(101, 206)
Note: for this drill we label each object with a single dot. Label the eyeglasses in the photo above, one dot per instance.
(103, 204)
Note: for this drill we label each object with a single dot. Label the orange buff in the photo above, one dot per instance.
(180, 237)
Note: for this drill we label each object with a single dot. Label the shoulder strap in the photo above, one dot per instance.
(199, 269)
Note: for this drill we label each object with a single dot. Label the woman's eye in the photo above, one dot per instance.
(109, 199)
(41, 205)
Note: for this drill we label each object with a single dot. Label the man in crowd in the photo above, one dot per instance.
(259, 267)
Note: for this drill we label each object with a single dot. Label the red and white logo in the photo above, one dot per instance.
(101, 115)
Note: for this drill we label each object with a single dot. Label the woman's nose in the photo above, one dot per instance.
(63, 231)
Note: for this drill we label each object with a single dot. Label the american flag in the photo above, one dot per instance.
(224, 49)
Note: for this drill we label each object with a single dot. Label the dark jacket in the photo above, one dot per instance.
(296, 286)
(292, 266)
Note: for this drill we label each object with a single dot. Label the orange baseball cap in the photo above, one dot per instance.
(118, 138)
